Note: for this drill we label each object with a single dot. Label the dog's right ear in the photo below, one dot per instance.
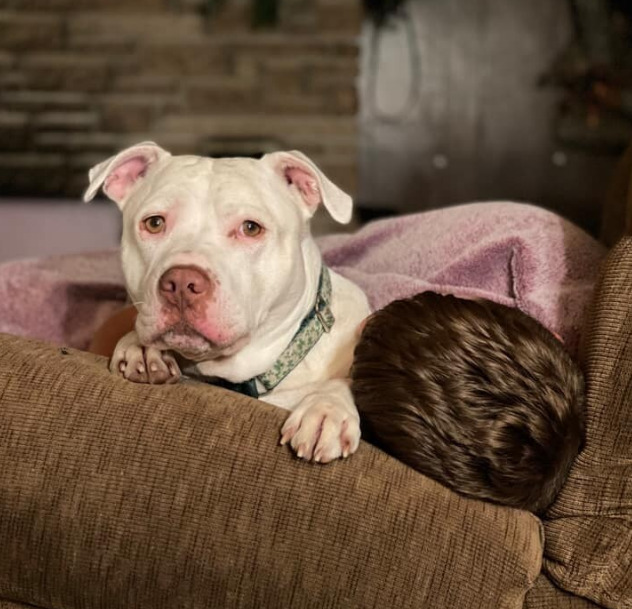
(120, 173)
(311, 184)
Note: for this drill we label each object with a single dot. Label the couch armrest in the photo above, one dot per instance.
(589, 527)
(116, 495)
(616, 219)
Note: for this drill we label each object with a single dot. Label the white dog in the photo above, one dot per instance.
(220, 263)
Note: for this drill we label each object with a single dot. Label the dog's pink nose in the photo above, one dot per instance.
(184, 285)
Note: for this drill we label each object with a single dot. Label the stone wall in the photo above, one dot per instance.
(81, 79)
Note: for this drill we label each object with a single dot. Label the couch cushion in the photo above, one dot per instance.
(589, 527)
(116, 495)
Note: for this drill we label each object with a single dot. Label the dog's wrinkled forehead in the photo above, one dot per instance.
(185, 169)
(169, 178)
(220, 186)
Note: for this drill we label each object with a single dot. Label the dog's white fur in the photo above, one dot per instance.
(262, 287)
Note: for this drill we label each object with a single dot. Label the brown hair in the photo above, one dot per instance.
(474, 394)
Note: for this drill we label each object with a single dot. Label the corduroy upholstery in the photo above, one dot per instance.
(589, 527)
(115, 495)
(546, 595)
(616, 217)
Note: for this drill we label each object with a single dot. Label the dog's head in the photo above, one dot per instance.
(217, 253)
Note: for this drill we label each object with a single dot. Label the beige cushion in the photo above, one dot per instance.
(116, 495)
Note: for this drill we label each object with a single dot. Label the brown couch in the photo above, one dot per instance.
(115, 495)
(616, 217)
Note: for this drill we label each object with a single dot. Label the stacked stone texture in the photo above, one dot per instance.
(81, 79)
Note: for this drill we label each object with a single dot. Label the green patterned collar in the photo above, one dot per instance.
(318, 321)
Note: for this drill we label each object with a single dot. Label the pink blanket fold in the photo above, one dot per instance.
(515, 254)
(62, 299)
(511, 253)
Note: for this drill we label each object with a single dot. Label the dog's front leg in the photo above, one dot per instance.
(141, 364)
(323, 424)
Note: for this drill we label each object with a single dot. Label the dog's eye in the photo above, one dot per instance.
(249, 228)
(154, 224)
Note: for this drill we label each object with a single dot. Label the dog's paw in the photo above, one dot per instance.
(322, 430)
(143, 364)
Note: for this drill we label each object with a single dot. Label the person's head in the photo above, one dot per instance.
(476, 395)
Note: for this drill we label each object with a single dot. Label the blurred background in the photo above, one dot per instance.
(407, 105)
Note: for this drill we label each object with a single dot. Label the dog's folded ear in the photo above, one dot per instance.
(312, 185)
(120, 173)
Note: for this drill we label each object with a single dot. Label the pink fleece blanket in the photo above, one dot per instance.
(511, 253)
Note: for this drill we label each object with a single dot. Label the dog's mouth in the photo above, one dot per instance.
(194, 346)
